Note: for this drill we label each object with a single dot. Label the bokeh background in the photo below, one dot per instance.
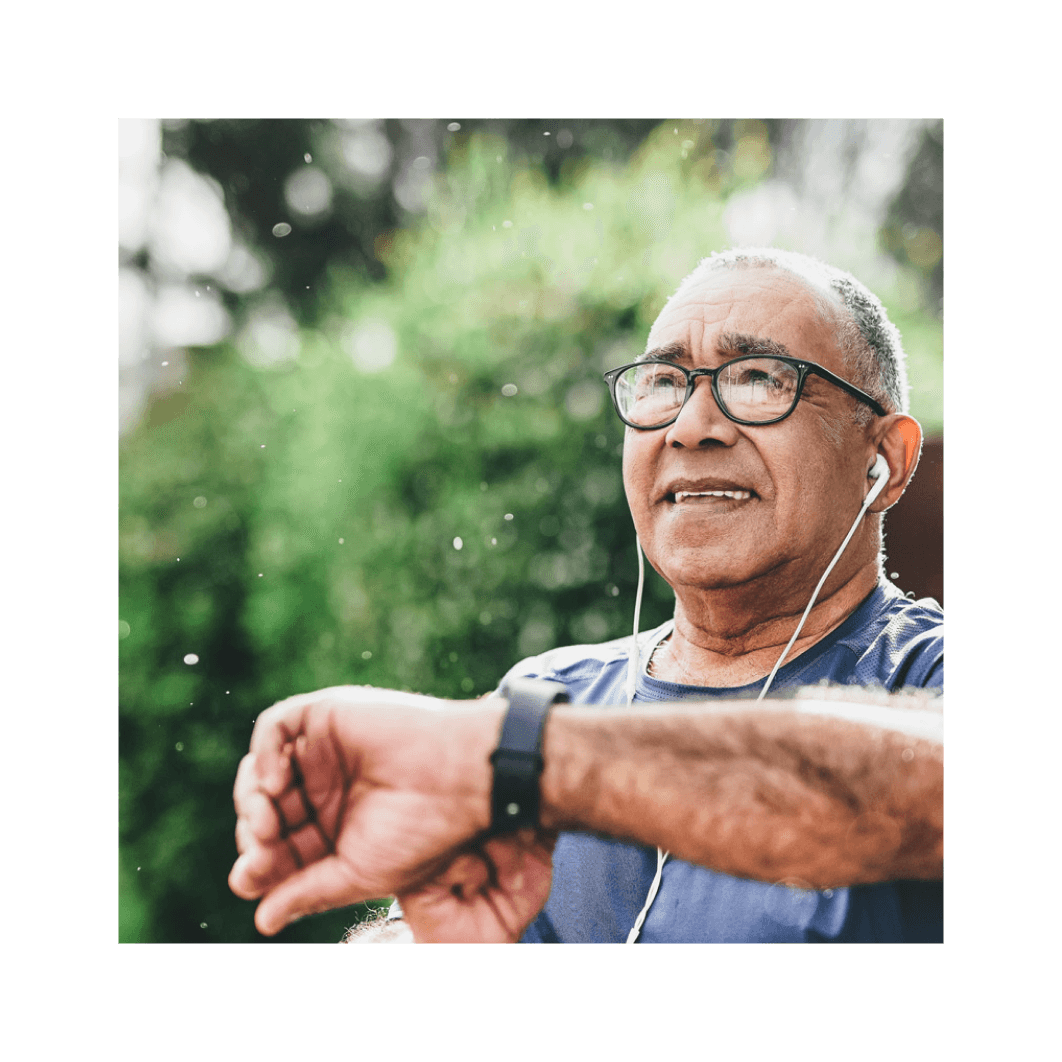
(363, 432)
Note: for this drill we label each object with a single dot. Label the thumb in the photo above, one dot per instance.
(323, 886)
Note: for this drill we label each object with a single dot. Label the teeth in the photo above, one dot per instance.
(740, 495)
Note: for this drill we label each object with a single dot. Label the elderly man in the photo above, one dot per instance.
(715, 779)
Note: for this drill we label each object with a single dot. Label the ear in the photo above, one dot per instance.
(899, 439)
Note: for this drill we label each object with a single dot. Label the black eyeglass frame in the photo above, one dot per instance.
(804, 369)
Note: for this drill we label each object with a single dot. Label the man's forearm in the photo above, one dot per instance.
(834, 795)
(341, 800)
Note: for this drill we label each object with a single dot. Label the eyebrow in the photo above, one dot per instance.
(728, 344)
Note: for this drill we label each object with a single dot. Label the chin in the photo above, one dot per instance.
(702, 573)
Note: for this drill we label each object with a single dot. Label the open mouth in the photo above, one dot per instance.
(681, 497)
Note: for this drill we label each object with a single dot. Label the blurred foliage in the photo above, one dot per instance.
(914, 228)
(430, 491)
(373, 168)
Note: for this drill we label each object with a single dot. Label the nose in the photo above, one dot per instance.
(700, 421)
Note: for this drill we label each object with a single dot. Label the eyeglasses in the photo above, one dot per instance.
(748, 390)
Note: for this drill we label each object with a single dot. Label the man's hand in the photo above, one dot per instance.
(340, 801)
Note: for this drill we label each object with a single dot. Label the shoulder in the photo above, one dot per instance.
(592, 673)
(571, 662)
(899, 642)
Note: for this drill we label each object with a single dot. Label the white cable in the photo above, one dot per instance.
(881, 474)
(634, 658)
(661, 856)
(633, 667)
(871, 495)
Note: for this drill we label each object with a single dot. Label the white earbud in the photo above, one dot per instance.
(879, 472)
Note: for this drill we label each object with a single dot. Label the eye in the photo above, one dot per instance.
(765, 376)
(652, 379)
(754, 376)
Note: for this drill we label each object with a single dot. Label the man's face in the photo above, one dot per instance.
(792, 493)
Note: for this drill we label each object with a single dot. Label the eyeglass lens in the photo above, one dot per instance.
(754, 389)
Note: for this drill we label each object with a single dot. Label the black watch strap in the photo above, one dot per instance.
(517, 760)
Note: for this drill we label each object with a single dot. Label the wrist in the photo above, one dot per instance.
(462, 738)
(569, 782)
(517, 761)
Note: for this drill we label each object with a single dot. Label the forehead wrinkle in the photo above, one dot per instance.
(727, 345)
(734, 344)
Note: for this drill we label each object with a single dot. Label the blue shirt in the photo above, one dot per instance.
(600, 885)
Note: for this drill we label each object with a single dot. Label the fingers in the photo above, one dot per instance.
(276, 835)
(323, 886)
(252, 873)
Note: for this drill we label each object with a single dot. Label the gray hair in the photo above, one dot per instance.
(869, 342)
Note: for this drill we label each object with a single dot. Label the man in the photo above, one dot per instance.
(766, 434)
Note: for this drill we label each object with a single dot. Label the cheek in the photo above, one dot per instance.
(823, 495)
(635, 468)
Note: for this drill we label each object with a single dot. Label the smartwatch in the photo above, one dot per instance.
(517, 761)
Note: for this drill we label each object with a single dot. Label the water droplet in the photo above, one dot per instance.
(493, 541)
(281, 228)
(907, 755)
(458, 544)
(138, 868)
(179, 746)
(123, 629)
(545, 134)
(200, 502)
(262, 447)
(191, 658)
(894, 575)
(509, 390)
(367, 655)
(307, 157)
(614, 591)
(341, 542)
(588, 206)
(453, 127)
(260, 574)
(202, 925)
(507, 224)
(226, 691)
(165, 363)
(508, 516)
